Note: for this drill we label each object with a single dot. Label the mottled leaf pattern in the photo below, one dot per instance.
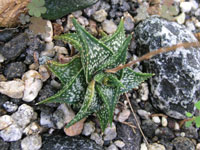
(94, 52)
(132, 79)
(84, 80)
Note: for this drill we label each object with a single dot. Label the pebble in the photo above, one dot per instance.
(164, 121)
(123, 116)
(5, 121)
(33, 84)
(144, 91)
(156, 119)
(83, 21)
(143, 113)
(45, 119)
(156, 146)
(198, 146)
(181, 18)
(33, 128)
(75, 129)
(190, 25)
(48, 36)
(10, 106)
(91, 10)
(109, 26)
(2, 59)
(11, 133)
(97, 138)
(114, 2)
(100, 15)
(119, 143)
(89, 128)
(93, 27)
(48, 53)
(186, 6)
(197, 12)
(77, 13)
(143, 146)
(112, 147)
(13, 89)
(110, 132)
(176, 127)
(24, 115)
(49, 46)
(44, 73)
(61, 50)
(33, 142)
(14, 70)
(128, 22)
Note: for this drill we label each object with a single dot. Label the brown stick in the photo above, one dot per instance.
(153, 53)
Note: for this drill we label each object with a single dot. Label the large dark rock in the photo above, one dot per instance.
(59, 142)
(176, 85)
(15, 47)
(4, 145)
(125, 133)
(183, 143)
(14, 70)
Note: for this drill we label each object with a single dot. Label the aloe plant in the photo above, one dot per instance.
(84, 80)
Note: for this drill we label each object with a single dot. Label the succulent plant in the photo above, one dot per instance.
(84, 80)
(36, 8)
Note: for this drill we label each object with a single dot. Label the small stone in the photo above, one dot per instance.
(61, 50)
(109, 26)
(11, 133)
(123, 116)
(176, 127)
(34, 66)
(164, 121)
(91, 10)
(93, 27)
(77, 13)
(143, 146)
(33, 142)
(110, 132)
(5, 121)
(128, 22)
(97, 138)
(24, 115)
(48, 36)
(45, 119)
(83, 21)
(89, 128)
(44, 73)
(144, 91)
(100, 15)
(49, 46)
(55, 84)
(143, 114)
(190, 25)
(33, 84)
(75, 129)
(183, 143)
(119, 143)
(181, 18)
(10, 106)
(48, 53)
(112, 147)
(198, 146)
(1, 58)
(14, 70)
(186, 6)
(156, 146)
(114, 2)
(13, 89)
(156, 119)
(197, 12)
(33, 128)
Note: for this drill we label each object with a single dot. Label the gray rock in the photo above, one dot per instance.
(24, 115)
(89, 128)
(15, 47)
(5, 121)
(164, 133)
(125, 133)
(128, 22)
(97, 138)
(112, 147)
(11, 133)
(114, 2)
(45, 118)
(14, 70)
(110, 133)
(109, 26)
(176, 84)
(183, 143)
(4, 145)
(33, 142)
(7, 34)
(100, 15)
(15, 145)
(59, 142)
(149, 127)
(190, 132)
(10, 106)
(91, 10)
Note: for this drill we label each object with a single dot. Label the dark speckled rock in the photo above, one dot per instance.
(4, 145)
(15, 47)
(183, 143)
(63, 142)
(176, 84)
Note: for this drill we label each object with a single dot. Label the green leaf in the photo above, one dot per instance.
(197, 121)
(70, 93)
(94, 52)
(188, 123)
(132, 79)
(36, 8)
(89, 105)
(188, 114)
(71, 38)
(197, 105)
(110, 97)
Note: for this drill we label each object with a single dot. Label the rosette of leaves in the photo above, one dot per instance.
(36, 8)
(84, 80)
(195, 119)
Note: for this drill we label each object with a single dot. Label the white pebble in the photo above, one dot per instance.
(180, 18)
(112, 147)
(5, 121)
(176, 127)
(164, 121)
(156, 146)
(143, 146)
(33, 84)
(48, 36)
(13, 89)
(44, 73)
(143, 114)
(195, 5)
(33, 128)
(100, 15)
(198, 146)
(109, 26)
(49, 46)
(186, 6)
(119, 143)
(156, 119)
(144, 91)
(123, 116)
(33, 142)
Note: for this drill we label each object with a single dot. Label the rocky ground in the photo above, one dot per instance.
(159, 103)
